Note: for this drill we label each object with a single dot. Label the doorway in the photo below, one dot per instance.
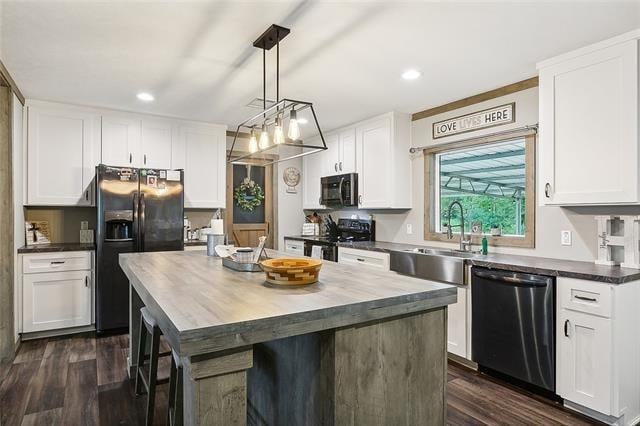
(250, 204)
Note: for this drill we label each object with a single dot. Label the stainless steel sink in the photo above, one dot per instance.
(444, 252)
(432, 264)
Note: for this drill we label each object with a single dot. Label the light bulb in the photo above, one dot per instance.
(253, 143)
(264, 137)
(278, 133)
(294, 128)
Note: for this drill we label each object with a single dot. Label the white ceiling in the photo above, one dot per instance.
(345, 57)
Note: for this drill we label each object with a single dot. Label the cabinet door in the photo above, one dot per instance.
(589, 128)
(584, 360)
(312, 171)
(121, 141)
(347, 163)
(61, 155)
(331, 155)
(156, 144)
(56, 300)
(457, 325)
(200, 151)
(373, 144)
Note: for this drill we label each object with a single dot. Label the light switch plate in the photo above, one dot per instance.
(409, 229)
(565, 238)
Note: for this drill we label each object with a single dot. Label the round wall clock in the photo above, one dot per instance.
(291, 177)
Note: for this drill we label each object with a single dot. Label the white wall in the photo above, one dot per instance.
(391, 226)
(18, 211)
(290, 213)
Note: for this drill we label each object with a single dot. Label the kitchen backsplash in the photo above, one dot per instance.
(64, 222)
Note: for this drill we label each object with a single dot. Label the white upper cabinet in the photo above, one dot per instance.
(383, 163)
(588, 140)
(314, 166)
(63, 145)
(331, 155)
(121, 141)
(200, 150)
(341, 152)
(156, 143)
(347, 160)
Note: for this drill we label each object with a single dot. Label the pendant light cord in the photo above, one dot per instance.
(264, 81)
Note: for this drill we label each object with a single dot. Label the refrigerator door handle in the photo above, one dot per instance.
(135, 222)
(142, 220)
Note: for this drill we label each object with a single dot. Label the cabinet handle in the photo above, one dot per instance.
(340, 166)
(547, 190)
(86, 281)
(359, 259)
(86, 195)
(588, 299)
(359, 199)
(130, 158)
(566, 328)
(335, 166)
(145, 158)
(57, 262)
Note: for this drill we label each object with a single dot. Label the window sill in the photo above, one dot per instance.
(526, 241)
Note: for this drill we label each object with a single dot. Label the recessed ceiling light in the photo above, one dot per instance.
(411, 74)
(302, 120)
(146, 97)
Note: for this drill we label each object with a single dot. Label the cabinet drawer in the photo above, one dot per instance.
(585, 296)
(56, 262)
(295, 247)
(368, 258)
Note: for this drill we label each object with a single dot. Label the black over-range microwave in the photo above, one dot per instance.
(339, 190)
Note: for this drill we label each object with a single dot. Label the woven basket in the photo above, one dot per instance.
(286, 271)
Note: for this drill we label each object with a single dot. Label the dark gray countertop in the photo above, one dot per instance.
(307, 238)
(530, 264)
(54, 247)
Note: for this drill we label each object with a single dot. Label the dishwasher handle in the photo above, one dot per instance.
(527, 280)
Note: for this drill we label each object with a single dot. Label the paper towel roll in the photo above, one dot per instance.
(217, 226)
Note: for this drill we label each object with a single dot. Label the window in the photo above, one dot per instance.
(492, 180)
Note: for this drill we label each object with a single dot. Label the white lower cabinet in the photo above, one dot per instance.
(457, 325)
(294, 247)
(56, 295)
(365, 258)
(598, 349)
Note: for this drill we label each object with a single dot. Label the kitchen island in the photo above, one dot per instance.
(358, 347)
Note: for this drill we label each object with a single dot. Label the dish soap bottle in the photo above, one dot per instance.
(485, 246)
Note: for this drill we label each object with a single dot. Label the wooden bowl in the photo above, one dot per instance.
(289, 271)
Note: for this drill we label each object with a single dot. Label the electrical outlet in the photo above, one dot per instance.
(565, 238)
(409, 229)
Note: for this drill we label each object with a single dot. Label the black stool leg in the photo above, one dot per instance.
(179, 398)
(153, 374)
(142, 337)
(172, 391)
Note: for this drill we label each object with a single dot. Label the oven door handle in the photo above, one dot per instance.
(529, 281)
(340, 191)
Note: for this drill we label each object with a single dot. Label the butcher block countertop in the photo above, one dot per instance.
(202, 306)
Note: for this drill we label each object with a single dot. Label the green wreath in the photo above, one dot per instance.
(248, 195)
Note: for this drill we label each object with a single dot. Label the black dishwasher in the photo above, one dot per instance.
(513, 325)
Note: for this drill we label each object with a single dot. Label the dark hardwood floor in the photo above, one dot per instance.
(81, 380)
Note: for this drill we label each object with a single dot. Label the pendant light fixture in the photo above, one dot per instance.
(286, 142)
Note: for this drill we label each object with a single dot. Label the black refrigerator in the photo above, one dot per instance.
(137, 210)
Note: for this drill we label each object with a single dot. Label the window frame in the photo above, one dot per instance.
(431, 204)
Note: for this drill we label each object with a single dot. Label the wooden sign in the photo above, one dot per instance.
(491, 117)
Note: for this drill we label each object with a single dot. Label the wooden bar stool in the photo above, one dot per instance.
(147, 373)
(174, 412)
